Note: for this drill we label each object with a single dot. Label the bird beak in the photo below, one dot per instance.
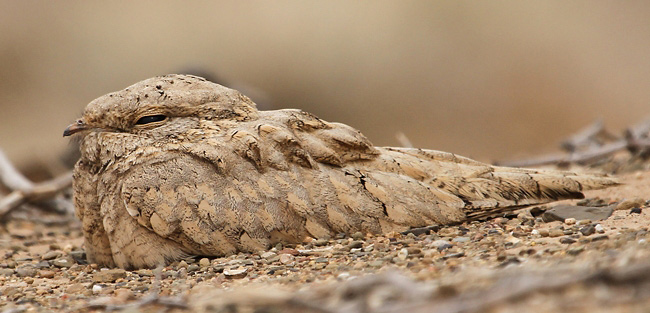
(75, 127)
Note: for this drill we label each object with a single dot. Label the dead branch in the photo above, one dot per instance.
(24, 191)
(634, 139)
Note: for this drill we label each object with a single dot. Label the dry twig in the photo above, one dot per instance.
(635, 139)
(24, 191)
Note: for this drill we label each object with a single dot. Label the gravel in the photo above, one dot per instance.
(43, 268)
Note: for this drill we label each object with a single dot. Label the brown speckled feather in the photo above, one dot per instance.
(205, 173)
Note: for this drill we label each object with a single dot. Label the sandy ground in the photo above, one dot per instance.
(508, 264)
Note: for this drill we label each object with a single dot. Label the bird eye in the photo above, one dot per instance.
(151, 119)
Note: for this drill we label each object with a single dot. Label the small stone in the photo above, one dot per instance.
(51, 255)
(109, 276)
(555, 232)
(26, 271)
(6, 272)
(413, 250)
(460, 239)
(575, 251)
(599, 229)
(356, 244)
(358, 236)
(182, 263)
(75, 288)
(79, 256)
(376, 263)
(97, 289)
(46, 274)
(635, 211)
(42, 264)
(570, 221)
(235, 273)
(628, 204)
(512, 242)
(599, 238)
(402, 254)
(562, 212)
(544, 232)
(567, 240)
(286, 258)
(63, 262)
(453, 255)
(268, 254)
(441, 244)
(360, 265)
(191, 268)
(144, 272)
(204, 262)
(534, 232)
(588, 230)
(290, 251)
(320, 242)
(583, 222)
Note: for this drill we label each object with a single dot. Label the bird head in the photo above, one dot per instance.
(163, 106)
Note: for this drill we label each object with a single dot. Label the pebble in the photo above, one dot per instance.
(63, 262)
(441, 244)
(402, 254)
(75, 288)
(460, 239)
(555, 232)
(570, 221)
(182, 264)
(356, 244)
(588, 230)
(453, 255)
(544, 232)
(635, 211)
(51, 255)
(268, 254)
(575, 251)
(358, 236)
(562, 212)
(144, 272)
(286, 258)
(42, 264)
(599, 237)
(567, 240)
(109, 276)
(192, 268)
(204, 262)
(583, 222)
(599, 228)
(46, 274)
(6, 271)
(236, 273)
(320, 242)
(26, 271)
(97, 289)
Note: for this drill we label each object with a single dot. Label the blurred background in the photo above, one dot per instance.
(489, 80)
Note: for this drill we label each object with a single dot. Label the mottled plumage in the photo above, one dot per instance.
(175, 166)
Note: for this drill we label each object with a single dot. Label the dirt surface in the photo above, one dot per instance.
(512, 263)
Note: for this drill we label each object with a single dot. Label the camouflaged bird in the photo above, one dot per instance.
(176, 166)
